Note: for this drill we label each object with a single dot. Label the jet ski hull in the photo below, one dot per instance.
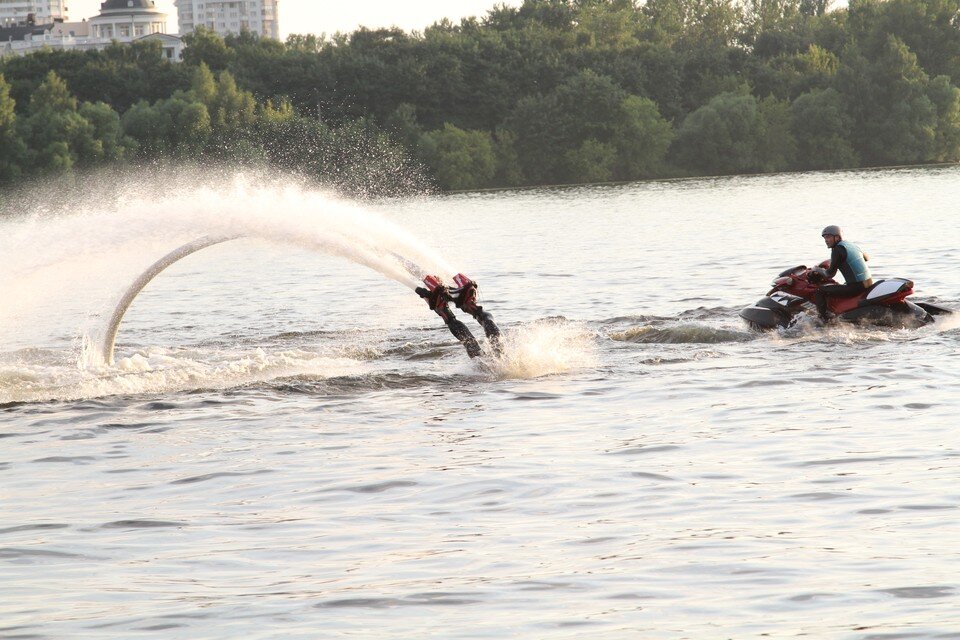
(884, 304)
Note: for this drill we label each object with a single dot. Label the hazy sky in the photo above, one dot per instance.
(329, 16)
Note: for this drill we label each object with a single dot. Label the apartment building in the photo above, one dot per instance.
(40, 11)
(122, 21)
(230, 16)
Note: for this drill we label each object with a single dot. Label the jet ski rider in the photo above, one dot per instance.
(851, 261)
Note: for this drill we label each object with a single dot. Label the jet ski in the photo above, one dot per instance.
(882, 304)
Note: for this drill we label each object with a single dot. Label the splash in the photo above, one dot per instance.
(947, 323)
(544, 348)
(87, 259)
(44, 376)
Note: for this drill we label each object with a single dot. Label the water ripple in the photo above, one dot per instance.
(34, 527)
(379, 487)
(26, 552)
(920, 592)
(844, 461)
(420, 600)
(141, 524)
(636, 451)
(219, 474)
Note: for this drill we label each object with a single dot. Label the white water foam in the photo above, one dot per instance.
(544, 348)
(946, 323)
(160, 371)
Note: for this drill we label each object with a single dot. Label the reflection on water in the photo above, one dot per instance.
(290, 445)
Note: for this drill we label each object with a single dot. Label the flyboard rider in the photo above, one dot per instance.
(851, 261)
(464, 296)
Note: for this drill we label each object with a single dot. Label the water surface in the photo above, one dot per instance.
(290, 445)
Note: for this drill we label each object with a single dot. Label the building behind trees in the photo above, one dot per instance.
(230, 16)
(13, 12)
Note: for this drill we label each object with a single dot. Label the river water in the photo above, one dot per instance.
(290, 445)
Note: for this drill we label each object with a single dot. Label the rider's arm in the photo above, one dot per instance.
(837, 256)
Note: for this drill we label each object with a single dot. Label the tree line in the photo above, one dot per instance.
(553, 91)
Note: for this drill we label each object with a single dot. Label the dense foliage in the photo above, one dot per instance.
(553, 91)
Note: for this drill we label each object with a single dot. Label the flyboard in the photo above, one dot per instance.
(464, 296)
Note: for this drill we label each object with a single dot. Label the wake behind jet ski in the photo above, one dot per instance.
(883, 303)
(464, 297)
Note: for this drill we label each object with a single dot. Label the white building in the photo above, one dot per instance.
(230, 16)
(122, 21)
(43, 11)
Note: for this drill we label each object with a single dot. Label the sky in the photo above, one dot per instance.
(330, 16)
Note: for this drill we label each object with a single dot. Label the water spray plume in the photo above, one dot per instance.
(110, 250)
(544, 348)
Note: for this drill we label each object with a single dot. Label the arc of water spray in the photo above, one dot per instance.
(110, 336)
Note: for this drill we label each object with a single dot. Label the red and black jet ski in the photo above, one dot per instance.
(882, 304)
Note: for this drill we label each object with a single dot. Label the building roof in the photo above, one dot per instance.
(159, 36)
(124, 5)
(21, 31)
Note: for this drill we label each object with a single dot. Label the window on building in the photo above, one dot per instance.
(123, 31)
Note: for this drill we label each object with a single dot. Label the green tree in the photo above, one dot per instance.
(721, 136)
(946, 99)
(193, 127)
(822, 129)
(585, 107)
(593, 161)
(53, 95)
(12, 149)
(109, 141)
(203, 85)
(895, 120)
(403, 126)
(57, 136)
(509, 172)
(927, 27)
(150, 127)
(204, 46)
(776, 147)
(232, 108)
(460, 159)
(642, 137)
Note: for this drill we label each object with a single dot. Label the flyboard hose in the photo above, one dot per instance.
(466, 299)
(110, 336)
